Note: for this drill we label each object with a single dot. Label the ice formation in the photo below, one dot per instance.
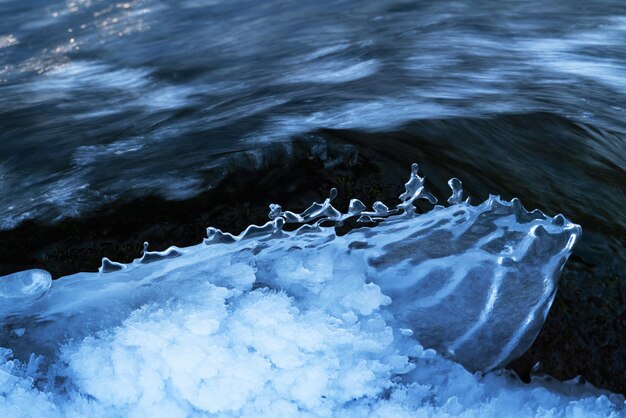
(385, 320)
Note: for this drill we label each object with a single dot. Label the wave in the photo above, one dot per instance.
(287, 321)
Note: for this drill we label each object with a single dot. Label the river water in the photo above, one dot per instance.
(101, 100)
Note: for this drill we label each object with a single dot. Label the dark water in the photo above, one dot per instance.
(102, 99)
(105, 101)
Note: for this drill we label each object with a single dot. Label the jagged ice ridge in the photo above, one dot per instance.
(390, 319)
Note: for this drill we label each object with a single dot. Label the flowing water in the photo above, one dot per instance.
(103, 99)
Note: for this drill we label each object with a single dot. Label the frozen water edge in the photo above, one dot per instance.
(275, 323)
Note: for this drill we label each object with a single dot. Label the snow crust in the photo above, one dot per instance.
(399, 319)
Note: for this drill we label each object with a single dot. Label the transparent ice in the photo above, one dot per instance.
(402, 318)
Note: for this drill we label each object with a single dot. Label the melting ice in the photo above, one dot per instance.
(400, 317)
